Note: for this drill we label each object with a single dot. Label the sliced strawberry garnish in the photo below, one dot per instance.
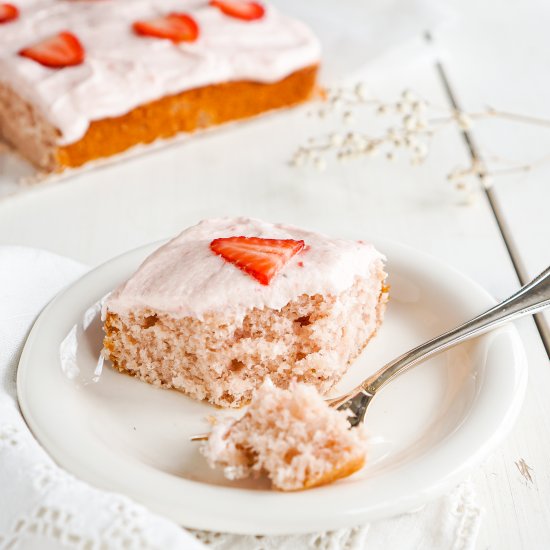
(178, 27)
(241, 9)
(8, 12)
(62, 50)
(260, 258)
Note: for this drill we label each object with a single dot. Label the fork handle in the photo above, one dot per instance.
(532, 297)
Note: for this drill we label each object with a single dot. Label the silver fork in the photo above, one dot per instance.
(533, 297)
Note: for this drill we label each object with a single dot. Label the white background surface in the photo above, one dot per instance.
(493, 53)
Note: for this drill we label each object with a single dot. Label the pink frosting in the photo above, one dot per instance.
(122, 70)
(185, 278)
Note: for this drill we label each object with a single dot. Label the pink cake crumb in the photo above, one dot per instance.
(292, 436)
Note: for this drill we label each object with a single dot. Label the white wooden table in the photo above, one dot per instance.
(495, 53)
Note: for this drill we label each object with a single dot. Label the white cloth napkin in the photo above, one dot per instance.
(43, 507)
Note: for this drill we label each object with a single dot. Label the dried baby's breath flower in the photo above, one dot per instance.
(400, 107)
(347, 117)
(412, 124)
(319, 163)
(336, 139)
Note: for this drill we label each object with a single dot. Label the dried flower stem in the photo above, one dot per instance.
(526, 119)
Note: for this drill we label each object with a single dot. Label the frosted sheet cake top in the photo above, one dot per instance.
(185, 278)
(123, 70)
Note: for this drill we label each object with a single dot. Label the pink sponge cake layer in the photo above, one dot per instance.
(190, 320)
(292, 436)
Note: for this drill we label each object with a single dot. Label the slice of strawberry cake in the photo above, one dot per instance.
(292, 436)
(229, 302)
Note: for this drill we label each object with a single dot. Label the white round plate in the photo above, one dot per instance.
(427, 427)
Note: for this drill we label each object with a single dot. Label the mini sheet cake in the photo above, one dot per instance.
(84, 80)
(292, 436)
(229, 302)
